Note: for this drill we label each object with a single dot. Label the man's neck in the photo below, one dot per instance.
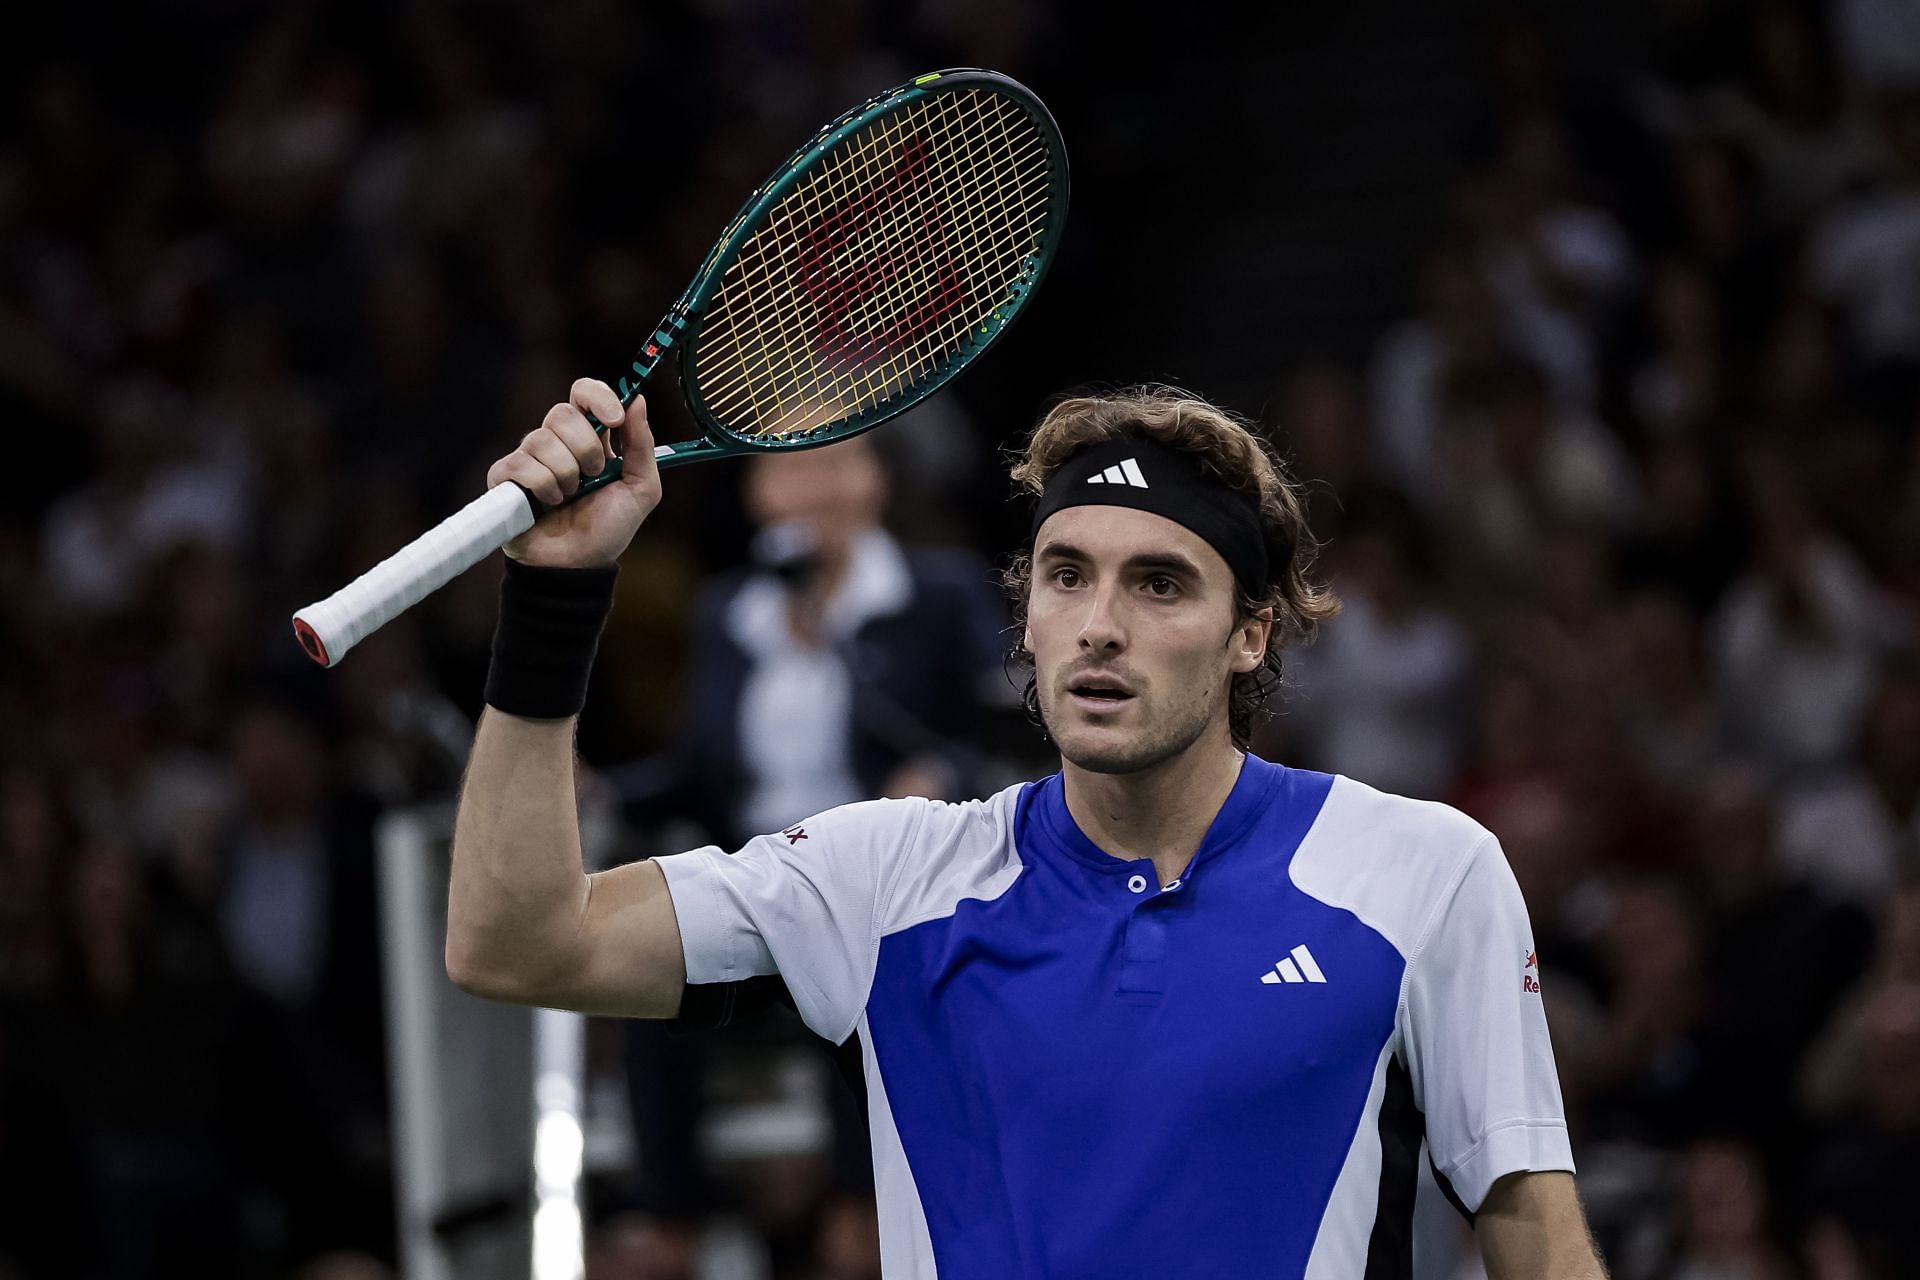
(1161, 812)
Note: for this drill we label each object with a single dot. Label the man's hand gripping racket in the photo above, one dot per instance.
(869, 270)
(563, 453)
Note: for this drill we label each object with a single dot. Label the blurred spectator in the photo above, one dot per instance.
(150, 496)
(1779, 957)
(1673, 721)
(1724, 1217)
(1858, 834)
(1707, 1013)
(1379, 695)
(1644, 1066)
(1798, 639)
(1837, 1077)
(1720, 226)
(1514, 468)
(1791, 112)
(1562, 263)
(1319, 420)
(1864, 257)
(1461, 326)
(1684, 540)
(290, 891)
(1680, 387)
(1864, 1174)
(294, 892)
(839, 667)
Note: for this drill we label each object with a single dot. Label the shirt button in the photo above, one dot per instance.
(1137, 883)
(1171, 886)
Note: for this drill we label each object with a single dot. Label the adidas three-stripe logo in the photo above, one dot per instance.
(1126, 472)
(1297, 967)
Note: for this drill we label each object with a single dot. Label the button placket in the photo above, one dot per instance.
(1144, 953)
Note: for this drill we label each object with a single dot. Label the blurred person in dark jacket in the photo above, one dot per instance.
(295, 900)
(827, 670)
(289, 889)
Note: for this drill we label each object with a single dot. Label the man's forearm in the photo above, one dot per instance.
(518, 887)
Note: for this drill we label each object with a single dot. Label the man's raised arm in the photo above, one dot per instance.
(525, 922)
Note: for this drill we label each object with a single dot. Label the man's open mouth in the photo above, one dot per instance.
(1100, 692)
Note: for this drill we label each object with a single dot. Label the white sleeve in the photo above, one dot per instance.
(803, 903)
(1476, 1036)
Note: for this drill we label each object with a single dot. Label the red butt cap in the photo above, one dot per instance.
(310, 641)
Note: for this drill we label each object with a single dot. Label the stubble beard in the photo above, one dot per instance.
(1159, 739)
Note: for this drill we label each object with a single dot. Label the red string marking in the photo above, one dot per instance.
(836, 292)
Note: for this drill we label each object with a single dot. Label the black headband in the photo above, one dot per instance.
(1142, 473)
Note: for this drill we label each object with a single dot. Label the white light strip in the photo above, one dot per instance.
(559, 1145)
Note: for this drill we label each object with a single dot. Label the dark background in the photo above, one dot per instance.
(1593, 329)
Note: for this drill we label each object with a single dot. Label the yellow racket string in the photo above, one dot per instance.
(876, 268)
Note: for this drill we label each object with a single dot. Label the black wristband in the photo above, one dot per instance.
(543, 645)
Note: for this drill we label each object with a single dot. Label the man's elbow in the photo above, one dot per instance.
(473, 975)
(468, 975)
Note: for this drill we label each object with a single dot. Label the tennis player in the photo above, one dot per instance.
(1173, 1011)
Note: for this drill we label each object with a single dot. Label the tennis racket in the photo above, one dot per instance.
(867, 272)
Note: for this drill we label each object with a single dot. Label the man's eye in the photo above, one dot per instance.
(1163, 586)
(1066, 577)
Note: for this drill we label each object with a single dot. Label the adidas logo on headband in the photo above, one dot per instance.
(1126, 472)
(1183, 491)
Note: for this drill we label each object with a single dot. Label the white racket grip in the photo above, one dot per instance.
(331, 627)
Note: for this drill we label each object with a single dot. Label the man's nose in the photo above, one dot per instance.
(1101, 629)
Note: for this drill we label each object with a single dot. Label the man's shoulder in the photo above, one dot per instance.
(936, 852)
(1388, 821)
(1390, 859)
(914, 828)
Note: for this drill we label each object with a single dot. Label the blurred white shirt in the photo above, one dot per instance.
(1379, 700)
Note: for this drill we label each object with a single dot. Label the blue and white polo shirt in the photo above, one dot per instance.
(1076, 1072)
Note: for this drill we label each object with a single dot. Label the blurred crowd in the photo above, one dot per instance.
(1624, 510)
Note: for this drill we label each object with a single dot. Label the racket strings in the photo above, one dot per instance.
(983, 221)
(871, 148)
(827, 204)
(888, 255)
(979, 218)
(898, 290)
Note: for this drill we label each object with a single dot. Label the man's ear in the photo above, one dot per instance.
(1249, 640)
(1026, 639)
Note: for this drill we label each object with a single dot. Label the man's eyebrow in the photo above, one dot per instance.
(1166, 561)
(1061, 551)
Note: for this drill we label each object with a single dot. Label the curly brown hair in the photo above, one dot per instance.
(1235, 454)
